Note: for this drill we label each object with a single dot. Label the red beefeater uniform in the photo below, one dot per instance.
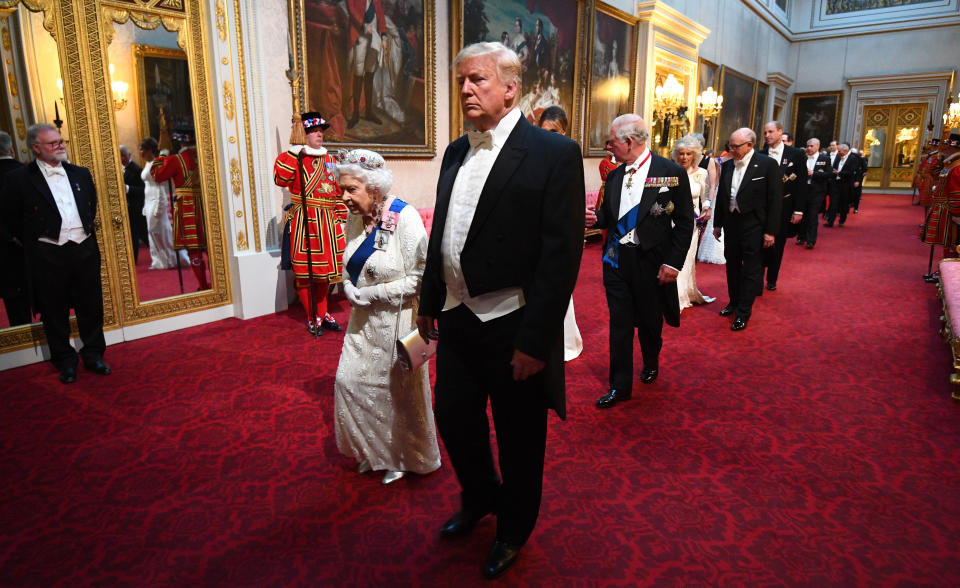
(939, 229)
(324, 209)
(188, 232)
(607, 165)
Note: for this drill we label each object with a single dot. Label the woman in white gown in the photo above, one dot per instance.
(156, 203)
(554, 119)
(687, 152)
(711, 248)
(383, 415)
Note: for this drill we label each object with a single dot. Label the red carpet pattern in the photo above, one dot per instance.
(818, 447)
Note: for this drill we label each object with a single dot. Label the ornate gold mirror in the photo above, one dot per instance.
(169, 251)
(32, 92)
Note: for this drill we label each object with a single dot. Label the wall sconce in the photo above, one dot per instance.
(60, 89)
(951, 118)
(709, 103)
(668, 98)
(119, 92)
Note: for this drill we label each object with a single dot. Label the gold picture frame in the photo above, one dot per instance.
(814, 114)
(607, 26)
(410, 111)
(142, 53)
(567, 42)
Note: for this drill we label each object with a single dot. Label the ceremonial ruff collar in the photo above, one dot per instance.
(319, 152)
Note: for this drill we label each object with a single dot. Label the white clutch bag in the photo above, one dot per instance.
(413, 351)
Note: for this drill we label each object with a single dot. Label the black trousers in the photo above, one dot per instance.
(633, 299)
(855, 194)
(66, 276)
(743, 249)
(839, 201)
(773, 257)
(138, 224)
(811, 218)
(473, 365)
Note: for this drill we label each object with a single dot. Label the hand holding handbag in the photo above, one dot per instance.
(413, 351)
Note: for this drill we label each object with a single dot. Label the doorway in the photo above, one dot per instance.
(891, 144)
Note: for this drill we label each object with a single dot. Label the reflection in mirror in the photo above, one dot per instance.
(165, 230)
(33, 93)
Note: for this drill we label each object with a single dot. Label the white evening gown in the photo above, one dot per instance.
(687, 280)
(711, 249)
(382, 412)
(156, 202)
(572, 341)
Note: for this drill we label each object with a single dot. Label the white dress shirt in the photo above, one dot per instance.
(463, 204)
(843, 160)
(71, 227)
(630, 195)
(739, 168)
(811, 165)
(776, 152)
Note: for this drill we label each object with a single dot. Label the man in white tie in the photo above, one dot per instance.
(50, 206)
(748, 203)
(648, 214)
(502, 262)
(793, 166)
(846, 178)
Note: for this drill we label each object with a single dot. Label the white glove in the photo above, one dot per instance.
(352, 293)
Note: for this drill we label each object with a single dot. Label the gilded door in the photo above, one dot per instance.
(891, 144)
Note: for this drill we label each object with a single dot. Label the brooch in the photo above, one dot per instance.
(657, 209)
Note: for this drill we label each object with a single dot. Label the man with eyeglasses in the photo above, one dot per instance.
(748, 205)
(50, 206)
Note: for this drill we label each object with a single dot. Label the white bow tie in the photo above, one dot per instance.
(54, 171)
(480, 139)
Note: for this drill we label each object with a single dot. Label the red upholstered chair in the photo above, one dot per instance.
(426, 214)
(949, 287)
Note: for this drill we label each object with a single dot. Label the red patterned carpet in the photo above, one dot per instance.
(818, 447)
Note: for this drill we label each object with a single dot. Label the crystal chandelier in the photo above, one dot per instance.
(668, 98)
(709, 103)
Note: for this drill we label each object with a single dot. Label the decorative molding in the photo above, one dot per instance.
(670, 20)
(241, 65)
(236, 180)
(779, 80)
(221, 21)
(228, 104)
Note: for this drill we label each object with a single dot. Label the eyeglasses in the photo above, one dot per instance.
(737, 146)
(59, 143)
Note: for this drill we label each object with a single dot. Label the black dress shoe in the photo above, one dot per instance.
(830, 224)
(502, 555)
(98, 367)
(739, 324)
(329, 323)
(799, 242)
(841, 223)
(461, 523)
(727, 311)
(612, 397)
(809, 245)
(771, 287)
(649, 376)
(68, 375)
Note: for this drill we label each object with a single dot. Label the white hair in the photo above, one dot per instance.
(631, 125)
(690, 143)
(509, 68)
(368, 167)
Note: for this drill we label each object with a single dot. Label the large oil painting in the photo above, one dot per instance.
(547, 36)
(816, 115)
(613, 61)
(163, 80)
(368, 68)
(739, 93)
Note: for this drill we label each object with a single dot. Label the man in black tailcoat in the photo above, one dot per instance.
(502, 262)
(793, 168)
(50, 206)
(748, 203)
(819, 170)
(648, 214)
(134, 187)
(846, 169)
(13, 267)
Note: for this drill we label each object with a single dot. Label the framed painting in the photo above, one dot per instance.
(370, 73)
(612, 87)
(739, 99)
(707, 77)
(163, 97)
(760, 108)
(816, 115)
(548, 36)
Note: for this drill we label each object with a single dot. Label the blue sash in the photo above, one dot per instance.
(612, 255)
(366, 249)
